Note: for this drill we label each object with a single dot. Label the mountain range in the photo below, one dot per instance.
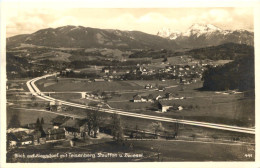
(201, 35)
(85, 37)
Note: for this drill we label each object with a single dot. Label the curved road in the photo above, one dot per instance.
(36, 92)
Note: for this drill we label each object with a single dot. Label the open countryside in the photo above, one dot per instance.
(82, 94)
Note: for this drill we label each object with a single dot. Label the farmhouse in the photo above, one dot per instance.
(68, 70)
(63, 72)
(106, 71)
(55, 134)
(58, 121)
(169, 96)
(38, 137)
(165, 105)
(143, 98)
(78, 128)
(158, 97)
(161, 88)
(148, 86)
(12, 141)
(149, 98)
(55, 106)
(19, 139)
(137, 98)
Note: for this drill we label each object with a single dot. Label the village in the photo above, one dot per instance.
(161, 91)
(162, 87)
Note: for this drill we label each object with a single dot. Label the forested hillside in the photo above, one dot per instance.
(238, 74)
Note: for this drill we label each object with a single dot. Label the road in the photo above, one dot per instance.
(36, 92)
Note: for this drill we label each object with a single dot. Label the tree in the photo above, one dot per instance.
(165, 59)
(14, 121)
(117, 130)
(176, 129)
(42, 121)
(38, 125)
(94, 121)
(155, 105)
(157, 126)
(33, 98)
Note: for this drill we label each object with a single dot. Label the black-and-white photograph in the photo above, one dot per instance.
(130, 84)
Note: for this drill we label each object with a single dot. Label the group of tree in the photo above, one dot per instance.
(39, 124)
(93, 122)
(117, 129)
(238, 74)
(227, 51)
(14, 122)
(72, 74)
(154, 54)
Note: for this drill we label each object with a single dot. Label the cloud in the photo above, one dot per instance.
(66, 20)
(28, 20)
(219, 15)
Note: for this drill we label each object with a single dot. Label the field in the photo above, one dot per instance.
(54, 56)
(216, 107)
(209, 106)
(154, 150)
(30, 116)
(85, 85)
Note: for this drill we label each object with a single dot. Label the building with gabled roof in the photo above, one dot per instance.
(137, 98)
(58, 121)
(19, 138)
(38, 137)
(77, 128)
(165, 105)
(55, 134)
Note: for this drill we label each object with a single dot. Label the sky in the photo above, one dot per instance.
(26, 20)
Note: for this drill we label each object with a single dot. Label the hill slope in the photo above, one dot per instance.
(227, 51)
(238, 74)
(85, 37)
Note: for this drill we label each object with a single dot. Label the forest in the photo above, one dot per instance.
(238, 74)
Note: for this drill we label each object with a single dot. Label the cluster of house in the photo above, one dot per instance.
(152, 98)
(159, 88)
(77, 128)
(17, 137)
(166, 102)
(64, 72)
(187, 71)
(62, 128)
(93, 96)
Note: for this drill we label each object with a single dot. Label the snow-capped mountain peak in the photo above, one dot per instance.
(168, 33)
(199, 29)
(195, 29)
(199, 35)
(164, 32)
(174, 35)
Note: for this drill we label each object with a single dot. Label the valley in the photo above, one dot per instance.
(147, 97)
